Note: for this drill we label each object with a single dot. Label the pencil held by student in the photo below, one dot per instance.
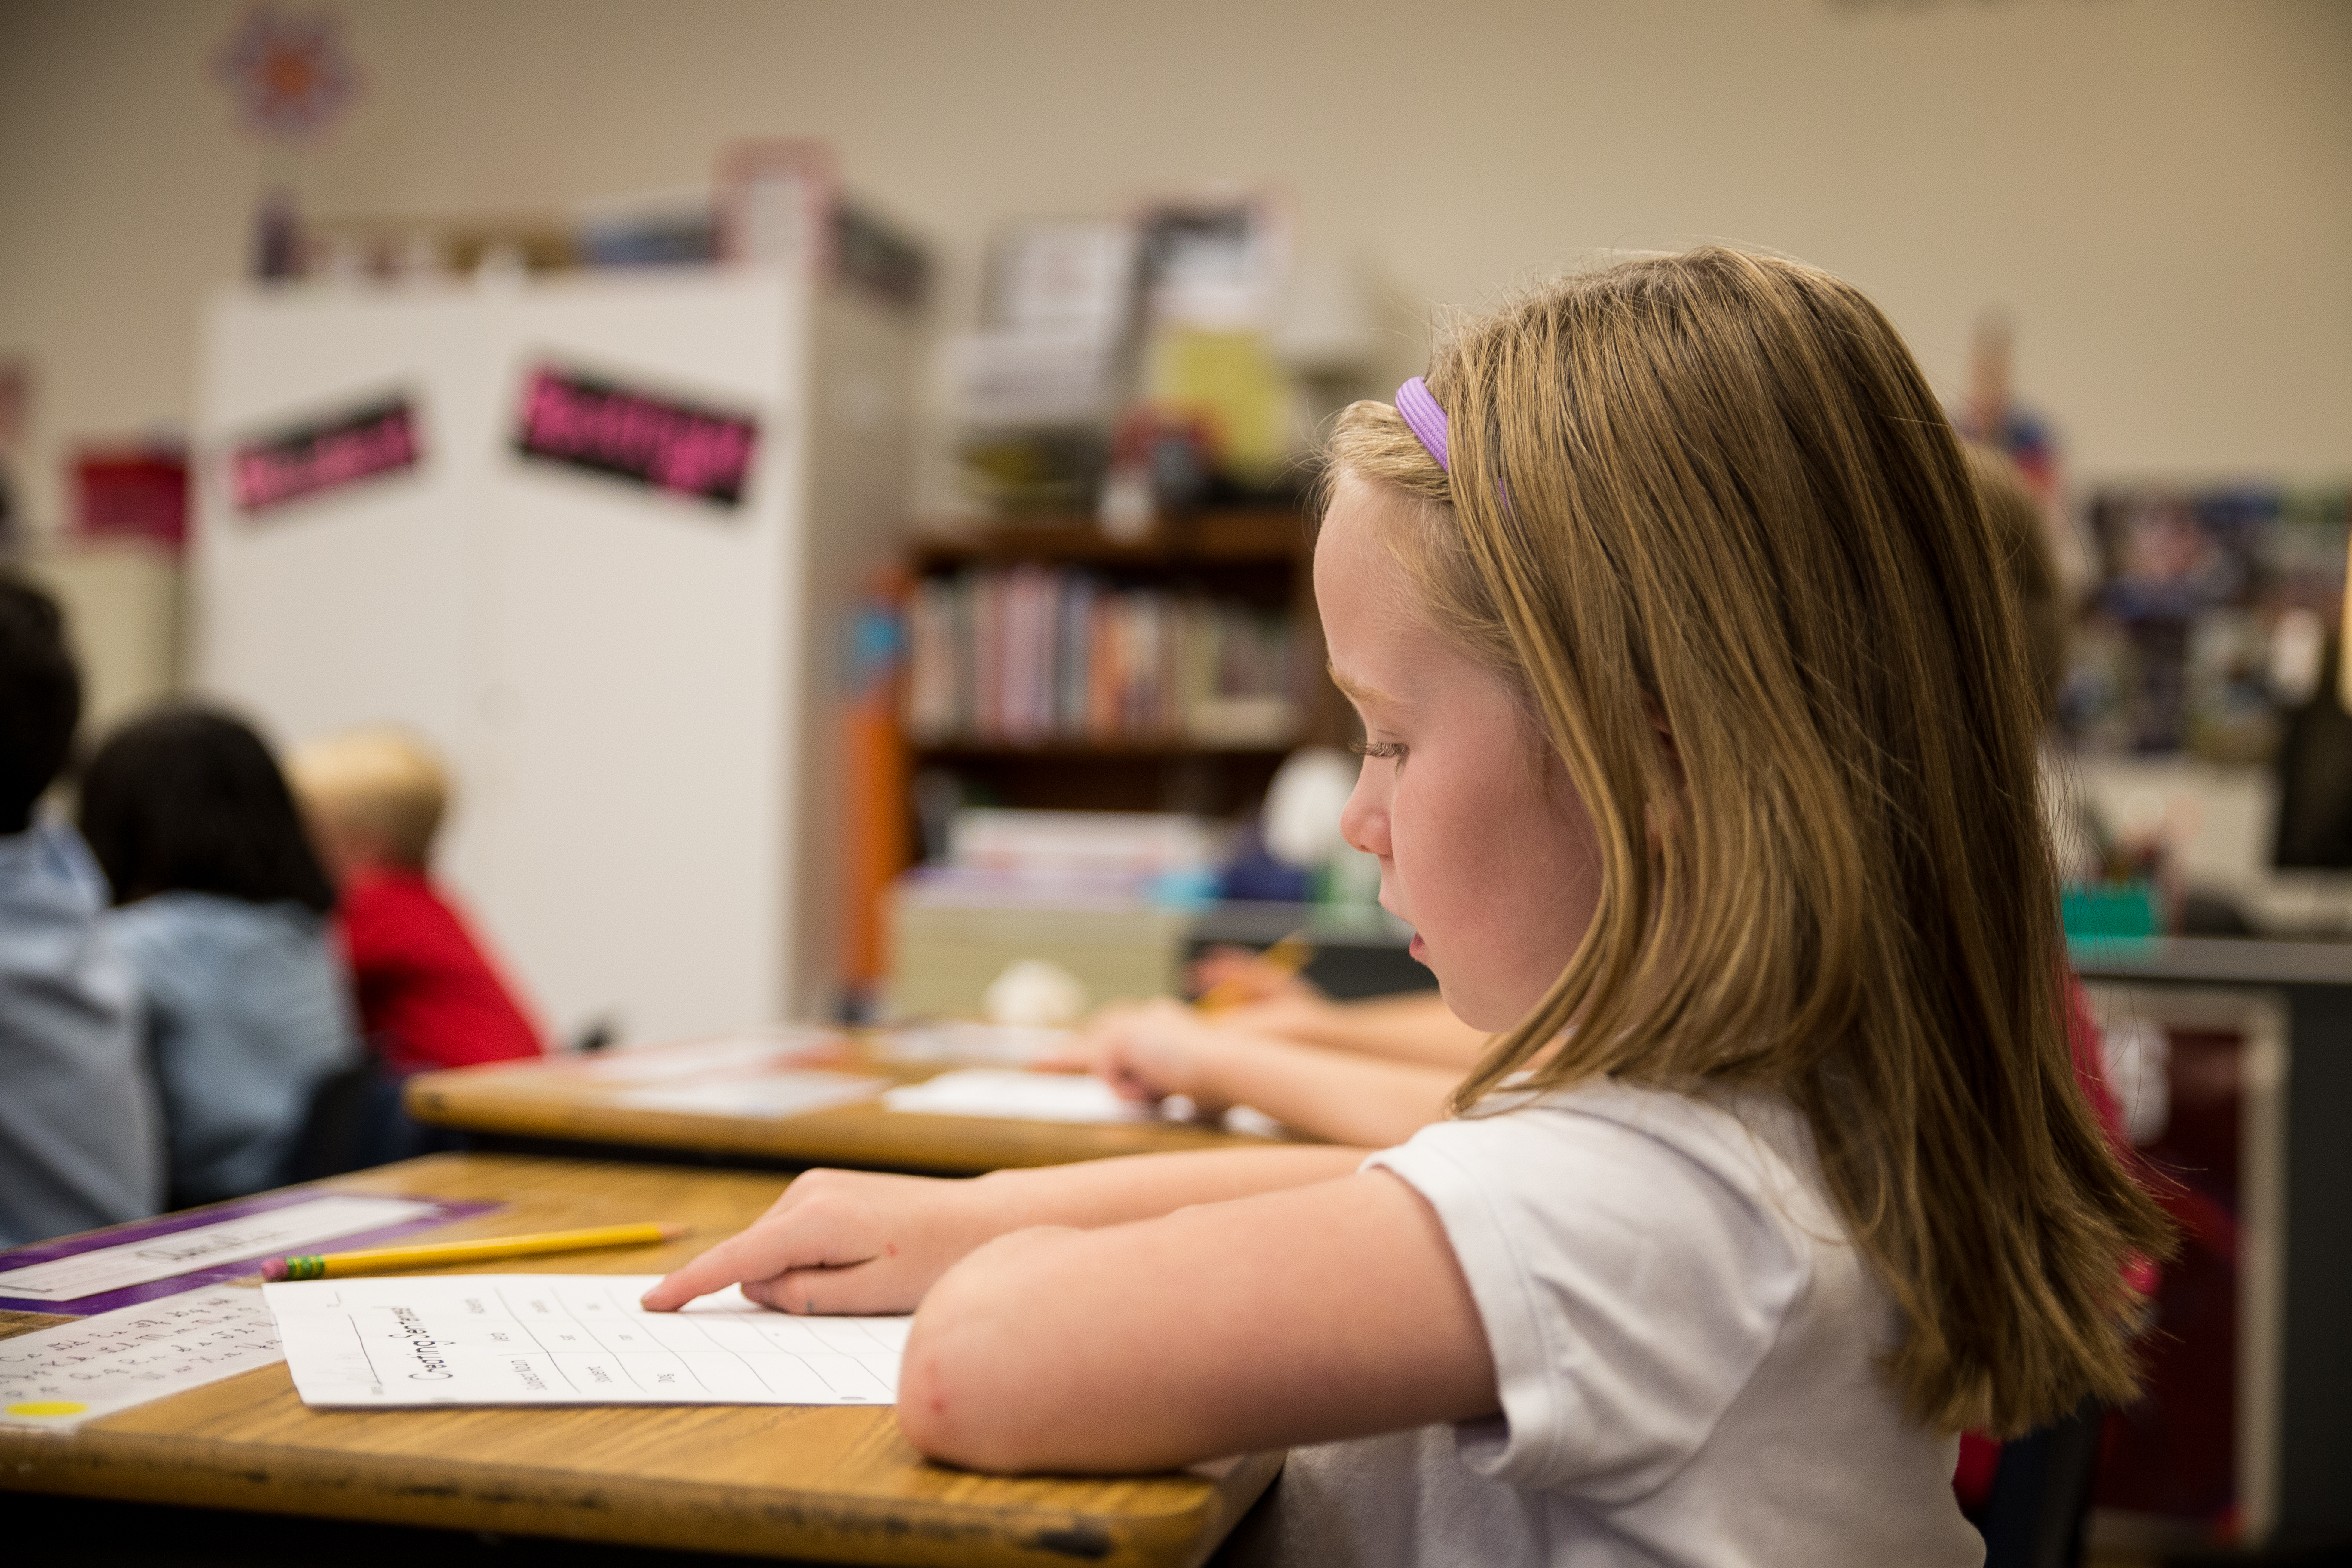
(1699, 755)
(429, 994)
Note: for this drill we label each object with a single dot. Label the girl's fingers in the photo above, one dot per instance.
(713, 1271)
(863, 1290)
(796, 1237)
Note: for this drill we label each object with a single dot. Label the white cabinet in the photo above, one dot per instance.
(637, 689)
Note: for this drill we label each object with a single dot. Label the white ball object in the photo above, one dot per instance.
(1035, 994)
(1303, 806)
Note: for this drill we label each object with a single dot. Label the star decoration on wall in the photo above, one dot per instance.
(291, 73)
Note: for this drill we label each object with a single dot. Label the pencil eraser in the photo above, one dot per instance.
(274, 1269)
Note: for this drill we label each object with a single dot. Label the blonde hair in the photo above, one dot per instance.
(384, 782)
(2013, 513)
(1712, 491)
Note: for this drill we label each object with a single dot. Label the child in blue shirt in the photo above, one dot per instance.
(222, 910)
(80, 1144)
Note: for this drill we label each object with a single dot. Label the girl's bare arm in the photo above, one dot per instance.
(1303, 1315)
(853, 1241)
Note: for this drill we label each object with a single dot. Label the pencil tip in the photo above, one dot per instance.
(675, 1232)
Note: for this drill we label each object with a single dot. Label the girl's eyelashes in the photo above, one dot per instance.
(1377, 749)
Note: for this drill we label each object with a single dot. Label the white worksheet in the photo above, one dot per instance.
(961, 1040)
(773, 1095)
(266, 1234)
(1054, 1097)
(61, 1377)
(568, 1339)
(1024, 1095)
(727, 1053)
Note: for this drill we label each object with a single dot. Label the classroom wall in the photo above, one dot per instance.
(2160, 191)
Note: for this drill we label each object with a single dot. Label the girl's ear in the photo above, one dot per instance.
(1666, 733)
(1661, 819)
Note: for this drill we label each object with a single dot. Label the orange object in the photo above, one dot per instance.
(876, 796)
(1290, 955)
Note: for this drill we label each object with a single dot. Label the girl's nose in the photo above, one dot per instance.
(1364, 820)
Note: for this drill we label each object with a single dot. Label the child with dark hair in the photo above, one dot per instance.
(222, 911)
(80, 1137)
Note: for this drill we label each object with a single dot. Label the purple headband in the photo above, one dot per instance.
(1424, 418)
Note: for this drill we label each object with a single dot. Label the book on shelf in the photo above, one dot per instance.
(1032, 655)
(1107, 859)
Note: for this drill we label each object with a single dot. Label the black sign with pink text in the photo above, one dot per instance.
(654, 441)
(323, 455)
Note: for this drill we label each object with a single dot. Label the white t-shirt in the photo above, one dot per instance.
(1684, 1343)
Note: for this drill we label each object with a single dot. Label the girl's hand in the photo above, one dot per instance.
(844, 1242)
(1081, 1049)
(1154, 1050)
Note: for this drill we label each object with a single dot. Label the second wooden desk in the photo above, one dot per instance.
(630, 1099)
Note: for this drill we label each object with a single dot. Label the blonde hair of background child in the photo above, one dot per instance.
(2014, 515)
(382, 783)
(1712, 491)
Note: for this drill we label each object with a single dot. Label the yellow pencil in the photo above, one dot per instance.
(329, 1265)
(1290, 955)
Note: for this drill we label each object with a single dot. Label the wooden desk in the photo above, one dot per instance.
(575, 1100)
(835, 1484)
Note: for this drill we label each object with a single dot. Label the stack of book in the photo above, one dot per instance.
(1106, 858)
(1030, 655)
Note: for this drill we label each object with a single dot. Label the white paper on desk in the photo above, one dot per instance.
(58, 1377)
(961, 1040)
(1024, 1095)
(568, 1339)
(776, 1096)
(263, 1235)
(728, 1053)
(1053, 1097)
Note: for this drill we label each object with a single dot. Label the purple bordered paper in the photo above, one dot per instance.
(213, 1274)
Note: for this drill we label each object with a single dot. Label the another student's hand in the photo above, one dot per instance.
(844, 1242)
(1153, 1050)
(1080, 1049)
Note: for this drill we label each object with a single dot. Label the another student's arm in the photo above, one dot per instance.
(1160, 1048)
(848, 1241)
(1272, 1000)
(1319, 1312)
(1416, 1028)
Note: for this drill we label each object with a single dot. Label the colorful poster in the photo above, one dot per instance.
(322, 455)
(656, 441)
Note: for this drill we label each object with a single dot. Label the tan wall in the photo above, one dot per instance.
(2160, 190)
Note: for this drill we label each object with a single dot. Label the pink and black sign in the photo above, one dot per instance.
(654, 441)
(324, 455)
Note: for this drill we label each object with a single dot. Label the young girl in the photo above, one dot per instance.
(221, 909)
(1700, 758)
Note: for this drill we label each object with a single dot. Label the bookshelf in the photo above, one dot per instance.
(1206, 597)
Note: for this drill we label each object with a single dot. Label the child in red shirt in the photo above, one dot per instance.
(428, 995)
